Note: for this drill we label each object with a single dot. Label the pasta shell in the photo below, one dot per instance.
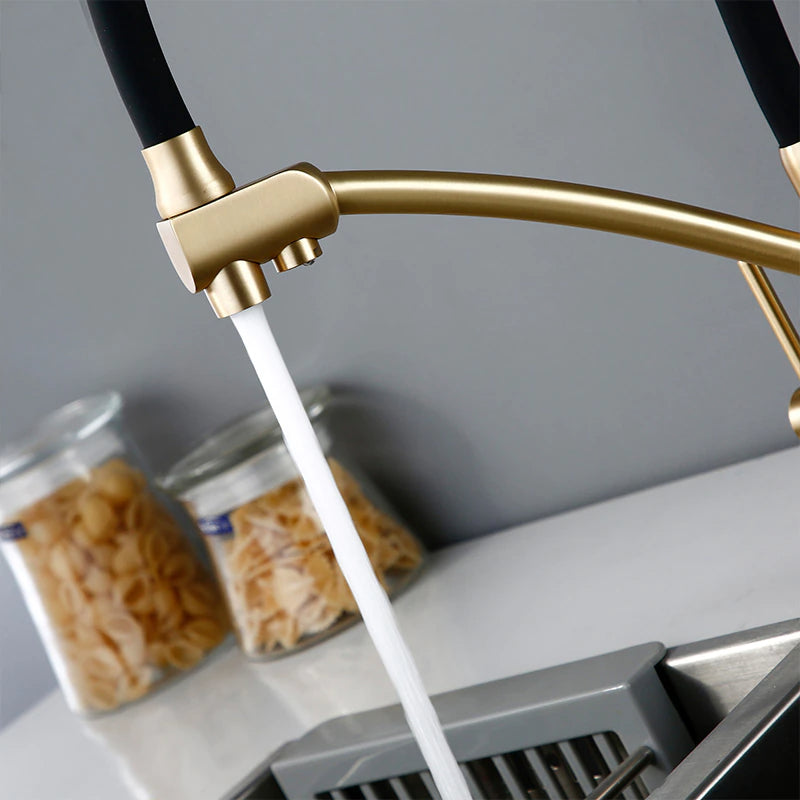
(182, 654)
(121, 627)
(133, 652)
(198, 598)
(127, 557)
(168, 609)
(138, 684)
(81, 536)
(203, 632)
(179, 567)
(154, 547)
(131, 591)
(138, 513)
(98, 581)
(97, 516)
(117, 485)
(87, 636)
(102, 663)
(60, 563)
(102, 555)
(78, 559)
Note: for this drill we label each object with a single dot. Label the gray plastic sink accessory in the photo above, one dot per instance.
(562, 729)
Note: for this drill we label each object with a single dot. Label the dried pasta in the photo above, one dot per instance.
(280, 576)
(126, 599)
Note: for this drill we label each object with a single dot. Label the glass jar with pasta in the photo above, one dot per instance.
(118, 594)
(283, 586)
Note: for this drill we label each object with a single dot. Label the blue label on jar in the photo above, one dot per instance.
(9, 533)
(215, 526)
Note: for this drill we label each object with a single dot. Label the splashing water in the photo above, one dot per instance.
(376, 610)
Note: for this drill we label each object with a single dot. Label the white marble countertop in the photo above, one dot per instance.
(688, 560)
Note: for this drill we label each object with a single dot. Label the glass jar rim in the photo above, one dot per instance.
(236, 442)
(61, 429)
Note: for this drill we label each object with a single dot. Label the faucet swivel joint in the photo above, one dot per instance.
(218, 236)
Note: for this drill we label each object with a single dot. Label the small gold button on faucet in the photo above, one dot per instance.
(303, 251)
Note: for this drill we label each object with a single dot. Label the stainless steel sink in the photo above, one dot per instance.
(738, 696)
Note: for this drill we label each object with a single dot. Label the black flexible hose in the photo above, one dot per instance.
(158, 112)
(140, 70)
(769, 63)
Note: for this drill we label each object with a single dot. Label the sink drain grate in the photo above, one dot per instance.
(569, 769)
(576, 731)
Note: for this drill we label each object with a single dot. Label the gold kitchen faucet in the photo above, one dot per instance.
(218, 236)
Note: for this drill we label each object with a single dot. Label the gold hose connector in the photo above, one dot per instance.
(186, 175)
(790, 158)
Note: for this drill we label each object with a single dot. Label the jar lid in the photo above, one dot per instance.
(240, 441)
(69, 439)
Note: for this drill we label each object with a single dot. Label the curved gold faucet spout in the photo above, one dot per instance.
(464, 194)
(209, 227)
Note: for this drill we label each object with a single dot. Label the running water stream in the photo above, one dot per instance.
(376, 610)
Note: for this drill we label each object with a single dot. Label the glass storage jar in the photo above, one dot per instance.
(120, 598)
(283, 586)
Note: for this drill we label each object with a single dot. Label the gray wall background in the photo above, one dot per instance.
(501, 371)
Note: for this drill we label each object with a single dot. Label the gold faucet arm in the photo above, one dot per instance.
(218, 236)
(464, 194)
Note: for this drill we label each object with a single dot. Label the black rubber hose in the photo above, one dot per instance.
(140, 70)
(769, 63)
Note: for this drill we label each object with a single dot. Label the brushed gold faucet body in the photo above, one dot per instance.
(217, 236)
(256, 222)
